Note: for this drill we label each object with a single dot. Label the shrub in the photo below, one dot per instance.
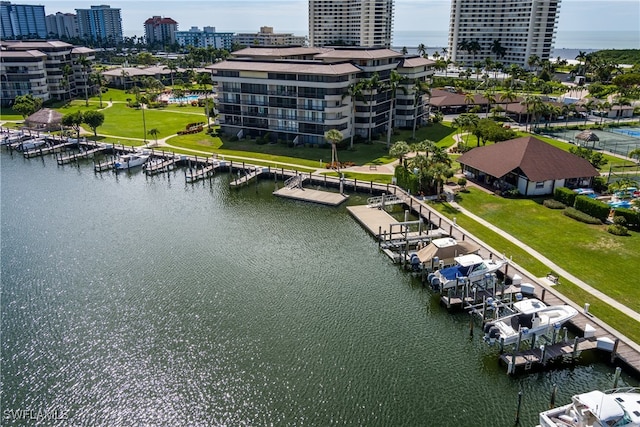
(631, 217)
(581, 216)
(564, 195)
(462, 182)
(553, 204)
(592, 207)
(618, 230)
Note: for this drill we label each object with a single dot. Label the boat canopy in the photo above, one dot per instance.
(603, 406)
(468, 260)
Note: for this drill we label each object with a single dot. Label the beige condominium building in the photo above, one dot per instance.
(507, 31)
(296, 94)
(366, 23)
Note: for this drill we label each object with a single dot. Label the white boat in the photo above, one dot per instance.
(131, 160)
(472, 268)
(620, 408)
(531, 317)
(30, 144)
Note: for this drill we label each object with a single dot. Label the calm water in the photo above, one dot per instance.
(129, 300)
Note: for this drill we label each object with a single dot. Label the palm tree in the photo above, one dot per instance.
(444, 51)
(420, 89)
(154, 133)
(66, 72)
(534, 106)
(490, 96)
(635, 153)
(508, 96)
(498, 49)
(469, 99)
(98, 79)
(354, 91)
(124, 75)
(143, 101)
(85, 65)
(474, 47)
(533, 61)
(404, 50)
(172, 67)
(422, 49)
(334, 136)
(399, 149)
(581, 57)
(395, 82)
(371, 85)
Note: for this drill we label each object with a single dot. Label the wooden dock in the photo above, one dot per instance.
(207, 170)
(540, 356)
(314, 196)
(159, 165)
(64, 159)
(37, 152)
(247, 177)
(105, 165)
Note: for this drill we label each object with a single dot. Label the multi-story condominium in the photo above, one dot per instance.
(62, 25)
(22, 21)
(45, 69)
(208, 37)
(160, 30)
(100, 23)
(266, 37)
(367, 23)
(508, 31)
(296, 94)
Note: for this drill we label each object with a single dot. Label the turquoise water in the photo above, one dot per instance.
(129, 300)
(635, 132)
(187, 98)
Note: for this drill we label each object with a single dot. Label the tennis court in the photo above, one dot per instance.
(615, 140)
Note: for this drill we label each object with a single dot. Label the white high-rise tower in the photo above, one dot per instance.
(364, 23)
(508, 31)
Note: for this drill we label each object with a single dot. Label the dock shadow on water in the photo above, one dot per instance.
(137, 300)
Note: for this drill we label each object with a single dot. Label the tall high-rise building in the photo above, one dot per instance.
(160, 30)
(100, 23)
(22, 20)
(367, 23)
(62, 25)
(507, 31)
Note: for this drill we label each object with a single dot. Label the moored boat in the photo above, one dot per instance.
(530, 318)
(472, 268)
(130, 160)
(619, 407)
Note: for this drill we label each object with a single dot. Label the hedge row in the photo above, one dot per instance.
(592, 207)
(581, 216)
(632, 217)
(564, 195)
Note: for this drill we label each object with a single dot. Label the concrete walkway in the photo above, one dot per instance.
(553, 266)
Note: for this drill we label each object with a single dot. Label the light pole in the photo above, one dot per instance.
(143, 101)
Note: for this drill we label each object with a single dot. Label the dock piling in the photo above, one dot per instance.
(552, 399)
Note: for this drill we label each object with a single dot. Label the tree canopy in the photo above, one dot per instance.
(26, 105)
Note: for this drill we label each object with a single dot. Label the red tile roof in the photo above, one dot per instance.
(538, 160)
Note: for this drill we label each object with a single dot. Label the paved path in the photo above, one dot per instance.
(546, 261)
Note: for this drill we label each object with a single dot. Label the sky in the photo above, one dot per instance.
(292, 15)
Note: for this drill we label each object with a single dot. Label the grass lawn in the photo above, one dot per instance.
(630, 327)
(608, 263)
(7, 113)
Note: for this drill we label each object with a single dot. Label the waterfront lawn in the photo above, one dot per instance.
(608, 263)
(441, 133)
(7, 113)
(630, 327)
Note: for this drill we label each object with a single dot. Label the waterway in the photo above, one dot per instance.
(129, 300)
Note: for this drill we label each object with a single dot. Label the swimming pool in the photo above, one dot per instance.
(186, 99)
(635, 132)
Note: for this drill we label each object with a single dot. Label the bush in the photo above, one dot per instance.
(581, 216)
(618, 230)
(631, 217)
(592, 207)
(462, 182)
(564, 195)
(553, 204)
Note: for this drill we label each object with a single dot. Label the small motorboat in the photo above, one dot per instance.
(31, 144)
(131, 160)
(472, 268)
(531, 317)
(619, 407)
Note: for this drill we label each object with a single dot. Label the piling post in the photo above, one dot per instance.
(471, 323)
(614, 352)
(552, 399)
(574, 353)
(519, 340)
(533, 340)
(616, 377)
(379, 236)
(564, 334)
(517, 421)
(501, 345)
(544, 291)
(543, 354)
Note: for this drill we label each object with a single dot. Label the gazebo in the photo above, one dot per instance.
(587, 136)
(44, 120)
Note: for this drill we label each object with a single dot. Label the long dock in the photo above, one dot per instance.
(159, 165)
(624, 351)
(308, 195)
(64, 159)
(37, 152)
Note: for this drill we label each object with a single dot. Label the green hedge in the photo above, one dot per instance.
(553, 204)
(581, 216)
(632, 217)
(564, 195)
(594, 208)
(407, 180)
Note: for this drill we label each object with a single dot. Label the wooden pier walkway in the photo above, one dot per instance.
(247, 177)
(207, 170)
(309, 195)
(159, 165)
(64, 159)
(37, 152)
(540, 356)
